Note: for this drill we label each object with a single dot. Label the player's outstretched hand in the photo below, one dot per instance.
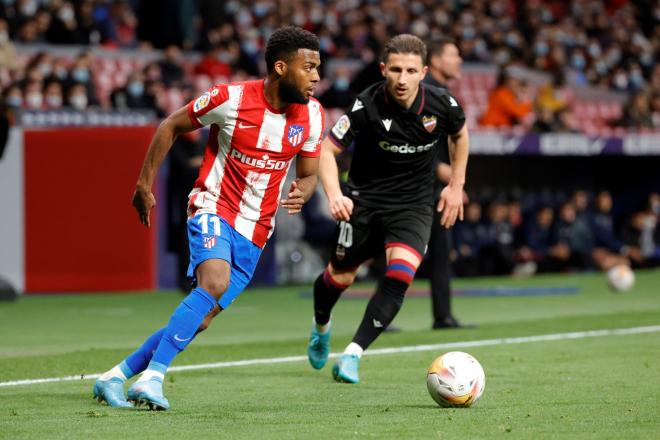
(341, 208)
(143, 202)
(295, 199)
(451, 206)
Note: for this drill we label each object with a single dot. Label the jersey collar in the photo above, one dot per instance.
(416, 107)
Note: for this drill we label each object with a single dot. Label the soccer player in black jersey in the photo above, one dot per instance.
(397, 126)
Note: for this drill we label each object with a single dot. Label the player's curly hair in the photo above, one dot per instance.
(405, 43)
(285, 41)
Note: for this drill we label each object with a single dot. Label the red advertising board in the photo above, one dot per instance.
(81, 232)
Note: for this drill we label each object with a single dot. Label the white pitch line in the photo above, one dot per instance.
(378, 351)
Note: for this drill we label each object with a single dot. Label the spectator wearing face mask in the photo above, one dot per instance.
(53, 98)
(77, 97)
(13, 97)
(215, 63)
(81, 74)
(132, 95)
(33, 96)
(338, 94)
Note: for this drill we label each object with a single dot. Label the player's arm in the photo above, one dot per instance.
(341, 207)
(451, 198)
(303, 187)
(177, 123)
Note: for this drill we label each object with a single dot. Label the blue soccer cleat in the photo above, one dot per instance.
(149, 392)
(111, 391)
(318, 348)
(346, 369)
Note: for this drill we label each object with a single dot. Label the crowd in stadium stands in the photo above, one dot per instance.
(612, 44)
(543, 232)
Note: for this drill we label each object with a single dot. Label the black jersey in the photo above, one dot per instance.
(396, 148)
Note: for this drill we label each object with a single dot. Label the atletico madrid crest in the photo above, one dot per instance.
(209, 241)
(295, 134)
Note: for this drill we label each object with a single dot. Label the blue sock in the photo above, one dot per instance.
(183, 325)
(137, 362)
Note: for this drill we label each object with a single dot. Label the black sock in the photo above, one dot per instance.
(326, 294)
(381, 310)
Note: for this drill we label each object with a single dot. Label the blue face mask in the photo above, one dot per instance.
(135, 88)
(541, 49)
(341, 84)
(14, 101)
(578, 62)
(80, 75)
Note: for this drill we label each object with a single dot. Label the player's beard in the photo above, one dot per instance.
(289, 92)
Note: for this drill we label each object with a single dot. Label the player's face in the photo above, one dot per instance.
(403, 72)
(298, 83)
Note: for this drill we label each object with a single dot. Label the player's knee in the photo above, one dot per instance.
(215, 285)
(342, 277)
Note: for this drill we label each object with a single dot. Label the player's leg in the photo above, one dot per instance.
(351, 249)
(406, 236)
(211, 246)
(110, 386)
(327, 290)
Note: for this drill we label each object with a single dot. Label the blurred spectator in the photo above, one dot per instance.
(540, 243)
(609, 250)
(215, 62)
(637, 112)
(64, 27)
(338, 95)
(655, 110)
(575, 235)
(640, 234)
(171, 71)
(497, 252)
(77, 97)
(509, 103)
(132, 95)
(33, 96)
(13, 97)
(81, 74)
(469, 236)
(123, 24)
(53, 95)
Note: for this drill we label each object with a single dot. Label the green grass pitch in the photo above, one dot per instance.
(587, 388)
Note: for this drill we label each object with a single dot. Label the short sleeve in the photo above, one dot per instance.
(312, 146)
(455, 115)
(348, 127)
(208, 108)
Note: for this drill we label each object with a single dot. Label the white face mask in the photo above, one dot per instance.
(54, 101)
(4, 37)
(78, 102)
(34, 100)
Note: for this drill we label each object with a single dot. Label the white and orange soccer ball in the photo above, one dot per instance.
(621, 278)
(455, 380)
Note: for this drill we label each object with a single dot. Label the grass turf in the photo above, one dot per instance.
(596, 388)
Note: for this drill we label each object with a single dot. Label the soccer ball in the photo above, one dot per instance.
(456, 380)
(621, 278)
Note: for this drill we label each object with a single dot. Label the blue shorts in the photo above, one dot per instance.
(210, 236)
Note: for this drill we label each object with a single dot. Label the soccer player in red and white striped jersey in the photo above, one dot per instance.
(256, 129)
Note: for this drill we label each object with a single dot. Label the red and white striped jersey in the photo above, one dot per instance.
(250, 149)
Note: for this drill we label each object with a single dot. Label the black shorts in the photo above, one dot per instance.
(371, 230)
